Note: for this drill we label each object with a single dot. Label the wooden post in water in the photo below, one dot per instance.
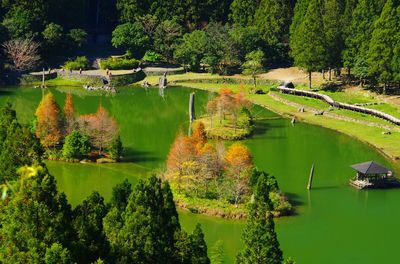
(309, 185)
(192, 112)
(43, 78)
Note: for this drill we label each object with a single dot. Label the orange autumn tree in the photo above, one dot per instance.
(182, 150)
(199, 135)
(100, 127)
(239, 163)
(69, 113)
(225, 103)
(48, 128)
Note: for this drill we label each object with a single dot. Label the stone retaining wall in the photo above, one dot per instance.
(30, 78)
(336, 104)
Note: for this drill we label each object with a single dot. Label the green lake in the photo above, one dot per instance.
(334, 222)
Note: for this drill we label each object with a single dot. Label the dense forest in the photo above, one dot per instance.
(361, 36)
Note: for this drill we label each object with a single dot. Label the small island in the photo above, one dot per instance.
(66, 137)
(217, 179)
(228, 116)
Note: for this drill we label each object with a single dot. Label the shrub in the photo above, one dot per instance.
(152, 56)
(115, 149)
(119, 64)
(79, 63)
(76, 145)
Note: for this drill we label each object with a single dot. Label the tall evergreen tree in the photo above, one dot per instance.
(357, 43)
(299, 13)
(308, 45)
(261, 245)
(383, 42)
(243, 11)
(18, 146)
(148, 230)
(332, 18)
(34, 218)
(91, 242)
(272, 19)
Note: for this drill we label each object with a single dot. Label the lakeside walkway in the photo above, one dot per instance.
(340, 105)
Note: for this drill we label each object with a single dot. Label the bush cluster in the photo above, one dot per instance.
(119, 64)
(81, 62)
(152, 56)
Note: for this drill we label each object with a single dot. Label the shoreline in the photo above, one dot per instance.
(306, 118)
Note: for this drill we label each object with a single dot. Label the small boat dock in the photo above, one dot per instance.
(371, 175)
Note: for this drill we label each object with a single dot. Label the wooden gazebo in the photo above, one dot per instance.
(372, 175)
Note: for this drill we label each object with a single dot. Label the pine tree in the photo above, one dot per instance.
(34, 218)
(308, 42)
(120, 195)
(383, 43)
(332, 15)
(91, 242)
(261, 245)
(273, 19)
(357, 42)
(243, 11)
(48, 128)
(148, 229)
(20, 147)
(299, 13)
(149, 224)
(199, 247)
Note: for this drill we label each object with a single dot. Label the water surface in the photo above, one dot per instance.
(334, 223)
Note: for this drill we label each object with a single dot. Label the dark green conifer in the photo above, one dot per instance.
(91, 242)
(308, 44)
(383, 43)
(261, 245)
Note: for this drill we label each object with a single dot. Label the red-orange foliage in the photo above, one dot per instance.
(183, 149)
(241, 101)
(199, 135)
(239, 156)
(69, 113)
(100, 127)
(239, 162)
(48, 128)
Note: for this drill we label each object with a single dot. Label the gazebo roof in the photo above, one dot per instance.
(370, 167)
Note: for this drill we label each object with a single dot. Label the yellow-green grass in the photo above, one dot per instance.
(59, 82)
(224, 129)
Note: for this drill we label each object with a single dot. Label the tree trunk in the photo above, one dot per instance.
(255, 83)
(309, 79)
(384, 88)
(323, 74)
(330, 74)
(348, 71)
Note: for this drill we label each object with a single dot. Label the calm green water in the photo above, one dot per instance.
(334, 223)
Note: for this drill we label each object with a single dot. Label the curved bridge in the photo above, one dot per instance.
(340, 105)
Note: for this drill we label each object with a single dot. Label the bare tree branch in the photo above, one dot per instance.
(22, 53)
